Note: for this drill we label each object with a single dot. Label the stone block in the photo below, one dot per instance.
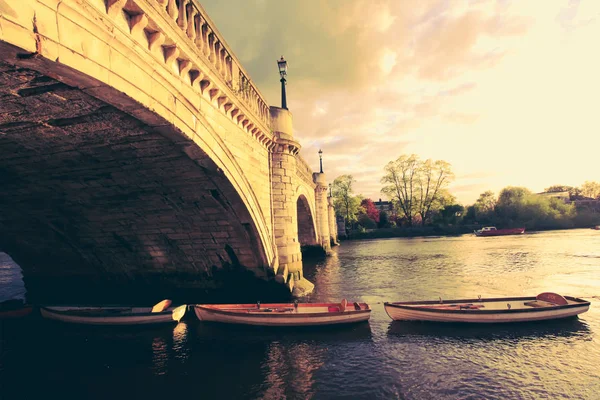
(82, 64)
(17, 35)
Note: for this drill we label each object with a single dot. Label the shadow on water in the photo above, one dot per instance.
(212, 331)
(568, 327)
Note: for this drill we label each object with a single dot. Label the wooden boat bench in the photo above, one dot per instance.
(539, 303)
(271, 310)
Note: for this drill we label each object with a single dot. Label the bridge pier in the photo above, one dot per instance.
(332, 223)
(322, 212)
(285, 219)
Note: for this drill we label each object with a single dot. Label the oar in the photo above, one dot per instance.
(179, 312)
(161, 306)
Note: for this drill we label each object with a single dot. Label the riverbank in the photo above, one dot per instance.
(426, 231)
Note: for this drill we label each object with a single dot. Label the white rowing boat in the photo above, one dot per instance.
(92, 315)
(296, 314)
(545, 306)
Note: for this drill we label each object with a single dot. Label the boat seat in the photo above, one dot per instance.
(470, 306)
(552, 298)
(343, 305)
(357, 306)
(538, 303)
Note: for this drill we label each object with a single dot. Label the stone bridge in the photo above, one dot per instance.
(134, 146)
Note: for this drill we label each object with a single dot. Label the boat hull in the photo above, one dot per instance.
(16, 313)
(101, 316)
(501, 232)
(247, 314)
(417, 311)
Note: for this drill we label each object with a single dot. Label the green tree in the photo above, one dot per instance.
(486, 203)
(485, 207)
(432, 180)
(510, 204)
(399, 183)
(450, 214)
(417, 187)
(591, 189)
(366, 222)
(384, 220)
(345, 203)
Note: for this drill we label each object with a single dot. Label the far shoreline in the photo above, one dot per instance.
(429, 231)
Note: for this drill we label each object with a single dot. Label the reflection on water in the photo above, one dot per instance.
(160, 356)
(289, 370)
(566, 328)
(378, 359)
(180, 335)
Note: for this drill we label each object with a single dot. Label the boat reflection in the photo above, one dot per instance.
(360, 331)
(180, 345)
(289, 370)
(160, 356)
(563, 328)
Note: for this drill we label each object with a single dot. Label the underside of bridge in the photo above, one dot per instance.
(306, 226)
(307, 235)
(93, 199)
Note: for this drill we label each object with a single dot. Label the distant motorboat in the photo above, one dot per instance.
(493, 231)
(98, 315)
(296, 314)
(544, 306)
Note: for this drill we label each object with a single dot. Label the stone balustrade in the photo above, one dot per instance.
(219, 76)
(304, 172)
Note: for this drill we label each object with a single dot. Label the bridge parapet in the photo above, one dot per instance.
(304, 172)
(190, 45)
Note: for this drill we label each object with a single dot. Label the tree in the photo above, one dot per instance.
(485, 205)
(366, 222)
(417, 187)
(510, 204)
(384, 220)
(370, 209)
(486, 201)
(399, 183)
(345, 203)
(591, 189)
(450, 214)
(432, 179)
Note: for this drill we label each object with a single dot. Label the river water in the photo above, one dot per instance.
(379, 359)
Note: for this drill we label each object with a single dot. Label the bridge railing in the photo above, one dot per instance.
(199, 55)
(304, 171)
(191, 17)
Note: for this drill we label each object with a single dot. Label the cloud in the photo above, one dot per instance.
(470, 82)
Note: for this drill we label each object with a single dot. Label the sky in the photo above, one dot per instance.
(505, 91)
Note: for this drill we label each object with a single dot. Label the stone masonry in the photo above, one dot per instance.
(133, 143)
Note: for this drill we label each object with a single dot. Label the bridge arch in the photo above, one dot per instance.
(73, 57)
(119, 198)
(138, 111)
(307, 235)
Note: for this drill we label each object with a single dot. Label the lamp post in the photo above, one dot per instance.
(320, 161)
(282, 65)
(330, 194)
